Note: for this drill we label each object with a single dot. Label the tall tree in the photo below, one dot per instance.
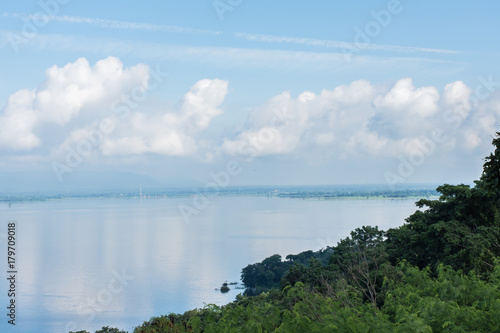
(359, 259)
(490, 179)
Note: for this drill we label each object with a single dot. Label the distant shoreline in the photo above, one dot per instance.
(320, 193)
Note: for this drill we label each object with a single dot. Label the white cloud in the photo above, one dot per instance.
(275, 127)
(357, 120)
(457, 93)
(404, 97)
(74, 97)
(324, 139)
(172, 132)
(65, 93)
(69, 89)
(471, 139)
(282, 124)
(362, 120)
(405, 111)
(201, 103)
(17, 121)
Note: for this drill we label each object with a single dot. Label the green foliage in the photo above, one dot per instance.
(461, 229)
(314, 274)
(415, 302)
(268, 274)
(490, 179)
(263, 276)
(105, 329)
(359, 258)
(453, 302)
(304, 258)
(356, 267)
(108, 329)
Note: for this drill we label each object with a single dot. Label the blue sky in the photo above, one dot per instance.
(320, 92)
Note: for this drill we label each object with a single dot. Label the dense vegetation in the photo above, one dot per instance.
(439, 272)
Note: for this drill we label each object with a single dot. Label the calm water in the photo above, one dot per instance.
(84, 264)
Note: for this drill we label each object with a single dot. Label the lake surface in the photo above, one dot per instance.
(88, 263)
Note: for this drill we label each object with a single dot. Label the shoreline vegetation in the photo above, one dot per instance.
(438, 272)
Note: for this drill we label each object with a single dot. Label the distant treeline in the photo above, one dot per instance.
(400, 193)
(306, 192)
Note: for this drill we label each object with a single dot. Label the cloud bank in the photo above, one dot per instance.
(360, 120)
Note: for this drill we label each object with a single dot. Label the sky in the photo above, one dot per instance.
(241, 92)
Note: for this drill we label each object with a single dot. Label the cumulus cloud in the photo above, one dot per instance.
(360, 119)
(404, 97)
(272, 128)
(17, 121)
(66, 92)
(404, 110)
(284, 123)
(457, 93)
(365, 120)
(69, 89)
(171, 132)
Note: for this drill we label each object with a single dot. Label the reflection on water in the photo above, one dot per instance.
(84, 264)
